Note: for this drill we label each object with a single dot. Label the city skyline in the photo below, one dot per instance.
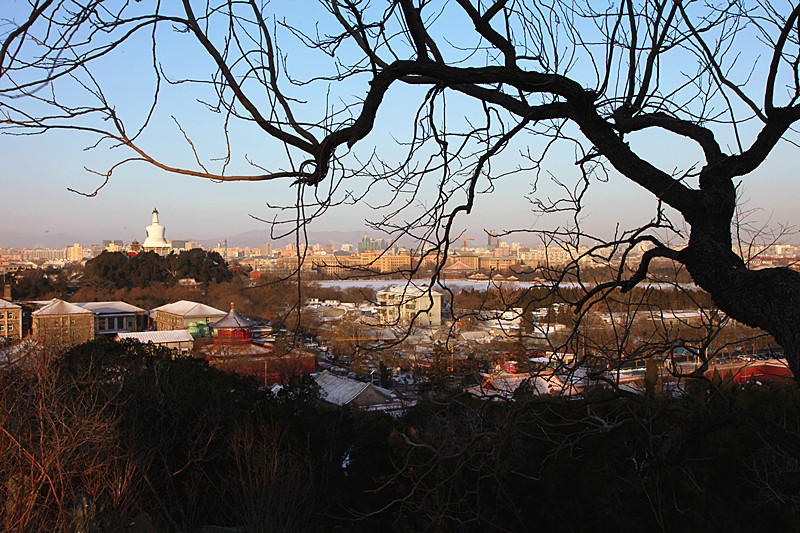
(252, 238)
(41, 172)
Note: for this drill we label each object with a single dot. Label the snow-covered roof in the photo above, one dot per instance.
(20, 350)
(60, 307)
(474, 335)
(158, 337)
(189, 309)
(236, 350)
(340, 390)
(8, 305)
(409, 290)
(505, 384)
(109, 308)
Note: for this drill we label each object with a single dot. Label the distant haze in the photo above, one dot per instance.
(253, 238)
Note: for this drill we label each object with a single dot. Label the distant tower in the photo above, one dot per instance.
(155, 241)
(494, 240)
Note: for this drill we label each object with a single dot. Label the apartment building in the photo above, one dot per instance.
(400, 304)
(10, 321)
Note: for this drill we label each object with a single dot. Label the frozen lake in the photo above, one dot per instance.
(458, 285)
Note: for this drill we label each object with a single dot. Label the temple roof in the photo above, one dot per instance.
(459, 265)
(233, 320)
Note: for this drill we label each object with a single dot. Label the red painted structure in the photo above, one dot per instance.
(764, 372)
(775, 370)
(267, 368)
(233, 329)
(233, 351)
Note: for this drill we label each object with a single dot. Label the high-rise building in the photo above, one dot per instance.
(74, 253)
(493, 241)
(372, 245)
(46, 254)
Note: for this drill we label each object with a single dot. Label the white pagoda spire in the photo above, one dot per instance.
(155, 240)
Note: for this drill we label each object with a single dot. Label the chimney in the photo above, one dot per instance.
(7, 291)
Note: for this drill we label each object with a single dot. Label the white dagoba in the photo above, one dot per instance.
(155, 241)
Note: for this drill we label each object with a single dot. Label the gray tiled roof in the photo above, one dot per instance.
(158, 337)
(233, 320)
(8, 305)
(60, 307)
(189, 309)
(109, 308)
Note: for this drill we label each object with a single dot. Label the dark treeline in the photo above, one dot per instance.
(268, 297)
(96, 437)
(39, 283)
(141, 270)
(615, 301)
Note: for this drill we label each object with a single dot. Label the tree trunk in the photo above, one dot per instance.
(768, 298)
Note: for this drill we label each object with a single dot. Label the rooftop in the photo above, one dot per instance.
(157, 337)
(8, 305)
(189, 309)
(409, 290)
(340, 390)
(233, 320)
(108, 308)
(60, 307)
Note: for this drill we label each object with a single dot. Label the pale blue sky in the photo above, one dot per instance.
(35, 172)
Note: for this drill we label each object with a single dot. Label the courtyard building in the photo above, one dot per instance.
(111, 318)
(60, 323)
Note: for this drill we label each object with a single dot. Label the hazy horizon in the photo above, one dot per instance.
(38, 170)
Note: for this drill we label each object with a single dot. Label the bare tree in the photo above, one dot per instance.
(495, 77)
